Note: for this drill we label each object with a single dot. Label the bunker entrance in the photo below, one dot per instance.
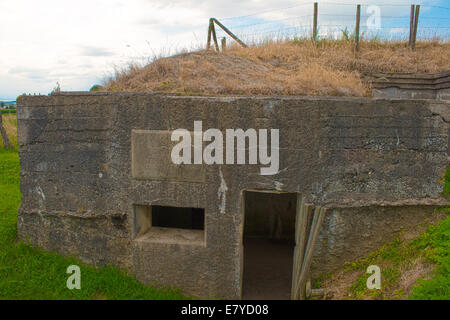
(269, 241)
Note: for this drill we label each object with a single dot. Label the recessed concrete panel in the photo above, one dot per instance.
(150, 158)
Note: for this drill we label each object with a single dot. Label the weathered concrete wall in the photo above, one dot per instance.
(408, 93)
(411, 85)
(355, 231)
(79, 186)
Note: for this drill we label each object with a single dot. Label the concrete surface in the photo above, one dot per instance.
(375, 163)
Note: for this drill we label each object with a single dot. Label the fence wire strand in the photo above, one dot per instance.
(298, 21)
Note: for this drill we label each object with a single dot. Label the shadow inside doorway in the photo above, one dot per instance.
(269, 240)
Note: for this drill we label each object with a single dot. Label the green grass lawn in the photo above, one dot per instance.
(447, 183)
(434, 244)
(32, 273)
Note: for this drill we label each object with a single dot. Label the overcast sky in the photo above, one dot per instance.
(78, 43)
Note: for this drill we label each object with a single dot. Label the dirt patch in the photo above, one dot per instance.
(267, 270)
(418, 270)
(338, 287)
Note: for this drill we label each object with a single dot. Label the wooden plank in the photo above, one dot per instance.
(304, 236)
(319, 214)
(213, 31)
(231, 34)
(294, 273)
(298, 208)
(300, 229)
(302, 278)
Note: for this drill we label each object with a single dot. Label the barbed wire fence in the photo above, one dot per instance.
(329, 20)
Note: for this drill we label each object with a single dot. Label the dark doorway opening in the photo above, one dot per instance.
(269, 241)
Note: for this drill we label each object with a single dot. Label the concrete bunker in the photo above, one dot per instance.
(97, 181)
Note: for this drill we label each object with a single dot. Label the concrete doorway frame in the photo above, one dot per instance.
(242, 231)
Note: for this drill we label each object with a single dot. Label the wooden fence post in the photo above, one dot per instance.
(224, 44)
(208, 43)
(416, 22)
(411, 26)
(358, 20)
(231, 34)
(315, 21)
(212, 32)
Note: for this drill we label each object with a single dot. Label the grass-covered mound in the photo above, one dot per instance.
(289, 67)
(415, 265)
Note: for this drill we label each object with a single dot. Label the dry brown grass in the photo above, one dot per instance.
(282, 68)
